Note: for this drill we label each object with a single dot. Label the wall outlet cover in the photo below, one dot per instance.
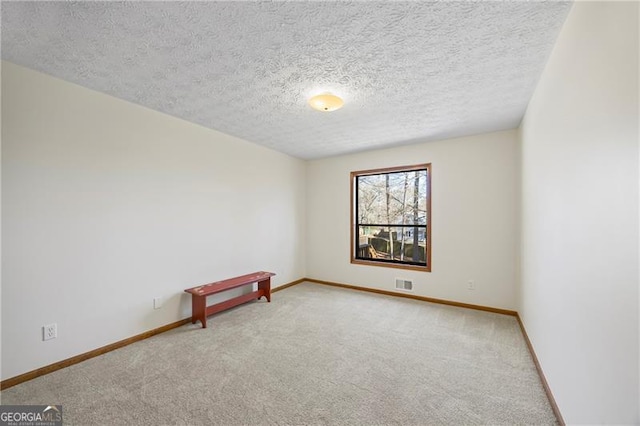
(50, 331)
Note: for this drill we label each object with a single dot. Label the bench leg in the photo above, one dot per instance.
(265, 286)
(198, 310)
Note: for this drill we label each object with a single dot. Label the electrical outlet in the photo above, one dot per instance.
(50, 331)
(157, 302)
(471, 285)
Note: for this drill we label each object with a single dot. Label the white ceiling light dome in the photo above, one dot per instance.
(326, 102)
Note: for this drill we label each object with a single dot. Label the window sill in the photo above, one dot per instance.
(391, 265)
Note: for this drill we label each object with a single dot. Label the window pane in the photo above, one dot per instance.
(393, 198)
(405, 244)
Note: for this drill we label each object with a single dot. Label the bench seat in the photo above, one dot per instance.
(199, 308)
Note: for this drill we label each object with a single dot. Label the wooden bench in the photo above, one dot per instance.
(199, 309)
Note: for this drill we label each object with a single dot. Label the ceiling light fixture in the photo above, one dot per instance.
(326, 102)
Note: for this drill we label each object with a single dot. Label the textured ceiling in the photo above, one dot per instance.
(408, 71)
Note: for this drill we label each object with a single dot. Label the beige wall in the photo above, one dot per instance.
(580, 216)
(474, 219)
(107, 205)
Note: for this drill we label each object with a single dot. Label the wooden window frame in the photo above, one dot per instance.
(354, 259)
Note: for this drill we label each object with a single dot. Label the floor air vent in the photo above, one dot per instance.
(404, 284)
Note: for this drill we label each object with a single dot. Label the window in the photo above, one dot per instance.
(391, 217)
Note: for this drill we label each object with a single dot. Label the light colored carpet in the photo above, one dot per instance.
(314, 355)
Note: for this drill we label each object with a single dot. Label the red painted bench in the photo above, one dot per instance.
(199, 309)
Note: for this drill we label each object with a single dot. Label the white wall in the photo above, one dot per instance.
(107, 204)
(474, 218)
(580, 216)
